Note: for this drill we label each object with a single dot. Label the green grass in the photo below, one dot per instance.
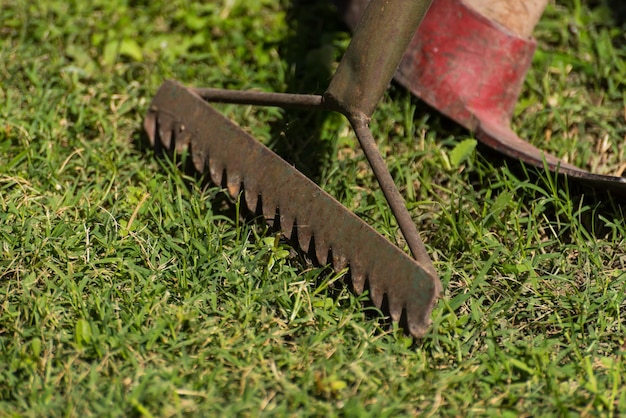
(128, 288)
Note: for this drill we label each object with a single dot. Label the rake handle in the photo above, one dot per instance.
(372, 58)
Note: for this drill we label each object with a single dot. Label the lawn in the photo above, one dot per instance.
(131, 287)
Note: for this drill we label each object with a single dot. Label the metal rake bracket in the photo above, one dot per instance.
(180, 118)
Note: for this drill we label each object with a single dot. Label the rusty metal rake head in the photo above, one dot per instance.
(180, 118)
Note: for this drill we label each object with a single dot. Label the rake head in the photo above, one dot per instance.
(180, 119)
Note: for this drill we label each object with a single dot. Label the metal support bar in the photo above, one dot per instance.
(392, 194)
(259, 98)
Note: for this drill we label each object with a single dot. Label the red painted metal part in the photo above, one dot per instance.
(461, 63)
(472, 70)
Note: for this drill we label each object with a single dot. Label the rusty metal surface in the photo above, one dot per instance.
(472, 70)
(359, 122)
(259, 98)
(178, 118)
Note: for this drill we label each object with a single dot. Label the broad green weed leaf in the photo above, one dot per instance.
(35, 346)
(127, 47)
(83, 332)
(81, 59)
(131, 49)
(461, 152)
(110, 53)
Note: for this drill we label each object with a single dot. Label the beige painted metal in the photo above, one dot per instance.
(519, 16)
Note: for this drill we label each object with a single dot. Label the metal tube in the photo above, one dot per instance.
(394, 198)
(259, 98)
(373, 56)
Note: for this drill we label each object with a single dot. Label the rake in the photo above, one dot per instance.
(180, 118)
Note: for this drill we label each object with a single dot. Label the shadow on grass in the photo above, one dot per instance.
(309, 54)
(618, 9)
(557, 189)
